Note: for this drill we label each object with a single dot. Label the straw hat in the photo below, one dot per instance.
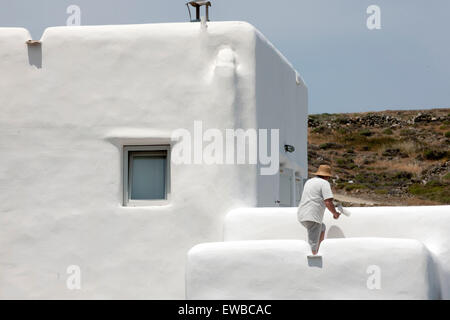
(324, 170)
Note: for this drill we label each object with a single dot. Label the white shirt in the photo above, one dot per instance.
(312, 206)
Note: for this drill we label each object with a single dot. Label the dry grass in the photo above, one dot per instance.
(318, 139)
(405, 165)
(408, 147)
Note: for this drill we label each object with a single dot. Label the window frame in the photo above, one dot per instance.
(127, 150)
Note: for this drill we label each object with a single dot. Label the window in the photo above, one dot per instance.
(146, 175)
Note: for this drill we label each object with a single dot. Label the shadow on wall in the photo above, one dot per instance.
(335, 232)
(35, 55)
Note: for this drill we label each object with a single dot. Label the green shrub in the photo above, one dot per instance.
(341, 120)
(365, 132)
(447, 134)
(391, 152)
(379, 142)
(407, 132)
(341, 131)
(403, 175)
(346, 163)
(433, 190)
(388, 131)
(434, 183)
(434, 154)
(340, 185)
(330, 145)
(320, 129)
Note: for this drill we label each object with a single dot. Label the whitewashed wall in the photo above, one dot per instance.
(282, 102)
(358, 268)
(426, 224)
(67, 108)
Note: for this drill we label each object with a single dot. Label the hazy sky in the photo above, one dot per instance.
(347, 67)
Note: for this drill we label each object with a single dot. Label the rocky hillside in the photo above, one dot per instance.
(385, 158)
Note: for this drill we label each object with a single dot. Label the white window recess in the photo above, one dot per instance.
(146, 175)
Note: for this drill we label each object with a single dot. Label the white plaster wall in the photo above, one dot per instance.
(282, 103)
(427, 224)
(280, 269)
(62, 126)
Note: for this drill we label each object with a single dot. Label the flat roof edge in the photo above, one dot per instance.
(263, 38)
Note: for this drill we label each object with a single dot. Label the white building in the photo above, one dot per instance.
(77, 111)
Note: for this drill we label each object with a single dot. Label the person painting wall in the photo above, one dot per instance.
(316, 196)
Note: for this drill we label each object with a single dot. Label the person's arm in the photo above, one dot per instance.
(330, 206)
(327, 195)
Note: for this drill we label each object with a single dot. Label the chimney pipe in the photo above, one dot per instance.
(197, 5)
